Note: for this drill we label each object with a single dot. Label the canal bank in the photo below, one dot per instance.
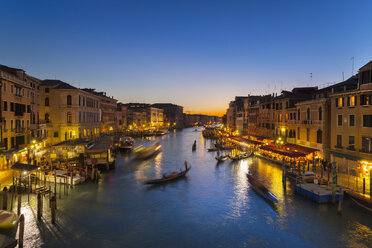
(212, 207)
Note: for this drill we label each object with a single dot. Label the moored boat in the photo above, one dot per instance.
(212, 149)
(100, 155)
(8, 223)
(142, 152)
(363, 201)
(240, 156)
(126, 143)
(170, 177)
(258, 187)
(222, 158)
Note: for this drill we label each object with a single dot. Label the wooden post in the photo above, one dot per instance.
(39, 206)
(21, 231)
(29, 186)
(55, 181)
(370, 182)
(19, 205)
(71, 179)
(11, 202)
(60, 188)
(44, 179)
(340, 201)
(53, 209)
(5, 199)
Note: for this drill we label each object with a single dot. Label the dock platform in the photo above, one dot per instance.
(316, 192)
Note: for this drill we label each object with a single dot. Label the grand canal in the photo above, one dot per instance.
(213, 207)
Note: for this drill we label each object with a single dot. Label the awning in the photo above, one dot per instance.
(303, 149)
(282, 152)
(24, 167)
(74, 142)
(99, 147)
(344, 155)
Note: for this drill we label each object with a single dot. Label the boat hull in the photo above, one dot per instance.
(165, 180)
(262, 190)
(361, 200)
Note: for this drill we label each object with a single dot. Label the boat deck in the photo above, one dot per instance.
(318, 193)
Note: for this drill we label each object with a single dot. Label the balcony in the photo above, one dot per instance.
(350, 148)
(307, 122)
(19, 130)
(365, 151)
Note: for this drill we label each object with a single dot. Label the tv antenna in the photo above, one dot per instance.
(352, 65)
(311, 79)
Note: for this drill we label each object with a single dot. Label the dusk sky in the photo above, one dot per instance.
(198, 54)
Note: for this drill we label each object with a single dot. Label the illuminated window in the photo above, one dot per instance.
(352, 101)
(340, 102)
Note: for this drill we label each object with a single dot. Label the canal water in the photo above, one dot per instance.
(213, 207)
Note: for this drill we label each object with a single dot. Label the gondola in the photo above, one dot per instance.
(222, 158)
(194, 146)
(212, 149)
(240, 156)
(261, 189)
(170, 177)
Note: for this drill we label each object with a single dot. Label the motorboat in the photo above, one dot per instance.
(142, 152)
(126, 143)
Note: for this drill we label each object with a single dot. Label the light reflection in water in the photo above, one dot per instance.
(158, 165)
(239, 201)
(214, 204)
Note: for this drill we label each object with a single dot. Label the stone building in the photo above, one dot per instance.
(19, 103)
(108, 109)
(69, 112)
(173, 114)
(351, 120)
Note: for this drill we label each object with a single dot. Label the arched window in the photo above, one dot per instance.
(308, 114)
(69, 117)
(47, 118)
(319, 135)
(69, 100)
(320, 113)
(299, 114)
(46, 101)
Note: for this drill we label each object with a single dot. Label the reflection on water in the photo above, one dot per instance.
(212, 207)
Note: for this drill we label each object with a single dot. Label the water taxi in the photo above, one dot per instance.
(142, 152)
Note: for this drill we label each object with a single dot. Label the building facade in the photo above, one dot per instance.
(68, 112)
(351, 121)
(172, 114)
(18, 104)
